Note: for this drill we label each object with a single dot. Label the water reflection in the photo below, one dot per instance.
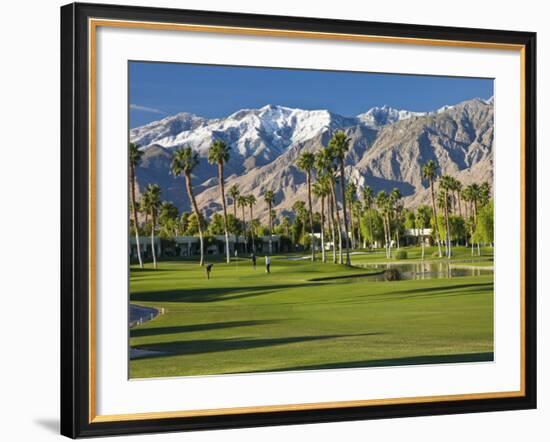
(427, 270)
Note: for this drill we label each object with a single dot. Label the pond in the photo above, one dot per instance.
(427, 270)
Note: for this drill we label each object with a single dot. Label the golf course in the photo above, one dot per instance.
(306, 315)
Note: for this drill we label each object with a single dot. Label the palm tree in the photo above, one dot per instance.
(151, 202)
(467, 197)
(457, 188)
(383, 202)
(324, 163)
(306, 162)
(242, 201)
(142, 210)
(218, 153)
(446, 184)
(351, 192)
(285, 225)
(339, 144)
(268, 198)
(134, 157)
(421, 220)
(167, 219)
(475, 194)
(184, 162)
(300, 212)
(321, 190)
(251, 200)
(368, 198)
(484, 193)
(429, 172)
(234, 194)
(357, 209)
(395, 197)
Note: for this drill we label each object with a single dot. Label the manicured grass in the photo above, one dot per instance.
(244, 320)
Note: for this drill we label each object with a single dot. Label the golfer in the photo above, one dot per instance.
(267, 264)
(208, 269)
(254, 260)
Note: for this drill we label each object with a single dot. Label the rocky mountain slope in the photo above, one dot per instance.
(388, 148)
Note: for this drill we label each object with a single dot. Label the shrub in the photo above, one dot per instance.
(392, 275)
(400, 254)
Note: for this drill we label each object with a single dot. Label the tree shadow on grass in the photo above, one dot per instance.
(154, 331)
(480, 285)
(405, 295)
(413, 360)
(428, 293)
(148, 270)
(201, 346)
(209, 294)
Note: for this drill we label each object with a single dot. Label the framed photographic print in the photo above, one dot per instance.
(279, 220)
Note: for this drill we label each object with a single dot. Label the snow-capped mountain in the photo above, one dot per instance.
(381, 116)
(387, 149)
(166, 129)
(256, 136)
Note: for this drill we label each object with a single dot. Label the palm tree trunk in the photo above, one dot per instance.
(335, 204)
(224, 205)
(343, 192)
(397, 234)
(331, 222)
(310, 215)
(386, 234)
(388, 221)
(270, 232)
(436, 229)
(197, 214)
(370, 226)
(153, 238)
(447, 227)
(323, 255)
(237, 229)
(358, 219)
(252, 229)
(134, 212)
(352, 226)
(244, 232)
(475, 225)
(386, 244)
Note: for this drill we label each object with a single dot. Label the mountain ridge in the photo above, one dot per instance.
(386, 151)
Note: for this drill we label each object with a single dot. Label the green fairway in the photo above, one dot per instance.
(244, 320)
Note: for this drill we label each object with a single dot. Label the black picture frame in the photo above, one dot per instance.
(75, 221)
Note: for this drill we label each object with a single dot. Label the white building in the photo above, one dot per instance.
(145, 246)
(413, 235)
(190, 245)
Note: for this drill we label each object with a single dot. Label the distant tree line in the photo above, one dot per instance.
(348, 219)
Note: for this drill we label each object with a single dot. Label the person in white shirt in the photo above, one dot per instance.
(267, 264)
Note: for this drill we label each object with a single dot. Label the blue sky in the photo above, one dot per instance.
(161, 89)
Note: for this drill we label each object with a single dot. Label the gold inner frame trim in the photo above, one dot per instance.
(93, 24)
